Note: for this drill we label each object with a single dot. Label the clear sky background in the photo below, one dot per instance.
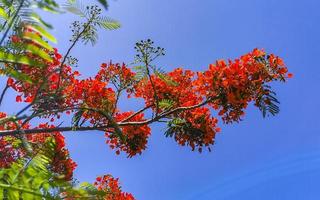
(277, 158)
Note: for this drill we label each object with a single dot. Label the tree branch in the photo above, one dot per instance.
(70, 48)
(136, 113)
(165, 114)
(11, 22)
(50, 130)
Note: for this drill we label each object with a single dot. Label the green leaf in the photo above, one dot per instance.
(76, 118)
(37, 39)
(39, 20)
(13, 194)
(34, 50)
(104, 3)
(267, 102)
(42, 32)
(108, 23)
(1, 193)
(37, 51)
(3, 13)
(166, 104)
(49, 6)
(7, 3)
(75, 7)
(166, 78)
(18, 59)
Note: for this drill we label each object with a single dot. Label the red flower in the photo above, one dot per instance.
(19, 98)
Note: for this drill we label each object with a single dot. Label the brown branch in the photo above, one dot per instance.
(116, 102)
(165, 114)
(112, 124)
(50, 130)
(101, 128)
(136, 113)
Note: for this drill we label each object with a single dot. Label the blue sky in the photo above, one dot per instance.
(271, 159)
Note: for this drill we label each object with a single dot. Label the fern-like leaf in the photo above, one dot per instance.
(267, 102)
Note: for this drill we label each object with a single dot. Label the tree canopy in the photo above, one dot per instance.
(34, 160)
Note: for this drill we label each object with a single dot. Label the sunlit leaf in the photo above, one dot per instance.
(42, 32)
(104, 3)
(39, 20)
(17, 75)
(108, 23)
(3, 13)
(37, 39)
(19, 59)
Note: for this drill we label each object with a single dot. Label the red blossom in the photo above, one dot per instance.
(225, 88)
(111, 186)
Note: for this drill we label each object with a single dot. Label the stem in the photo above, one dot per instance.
(136, 113)
(146, 62)
(5, 23)
(70, 48)
(116, 102)
(165, 114)
(51, 130)
(24, 109)
(21, 189)
(112, 124)
(11, 22)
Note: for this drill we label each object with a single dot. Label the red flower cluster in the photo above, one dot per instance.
(120, 75)
(62, 163)
(176, 86)
(236, 83)
(134, 139)
(93, 94)
(197, 129)
(226, 88)
(111, 186)
(11, 148)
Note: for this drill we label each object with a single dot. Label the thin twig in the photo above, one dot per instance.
(50, 130)
(112, 124)
(11, 22)
(165, 114)
(146, 62)
(136, 113)
(70, 48)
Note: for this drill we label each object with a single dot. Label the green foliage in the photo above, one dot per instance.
(104, 3)
(163, 76)
(166, 104)
(88, 30)
(18, 59)
(31, 178)
(76, 118)
(17, 16)
(140, 71)
(180, 126)
(146, 54)
(17, 75)
(3, 13)
(267, 102)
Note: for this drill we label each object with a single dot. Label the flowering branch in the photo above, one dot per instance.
(103, 128)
